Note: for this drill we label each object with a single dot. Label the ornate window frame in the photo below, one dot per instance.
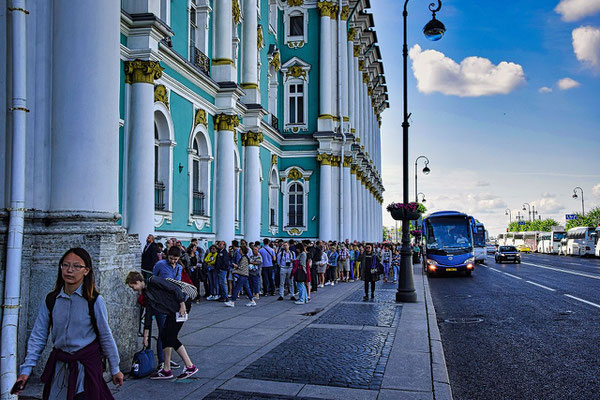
(295, 72)
(274, 187)
(200, 131)
(166, 141)
(295, 42)
(289, 177)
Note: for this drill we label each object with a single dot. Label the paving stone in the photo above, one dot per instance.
(386, 285)
(333, 357)
(381, 296)
(372, 314)
(221, 394)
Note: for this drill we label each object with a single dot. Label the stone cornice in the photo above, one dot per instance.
(142, 71)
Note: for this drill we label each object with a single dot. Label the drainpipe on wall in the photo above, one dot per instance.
(340, 116)
(12, 290)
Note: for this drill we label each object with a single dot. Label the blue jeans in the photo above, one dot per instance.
(254, 283)
(269, 284)
(241, 282)
(213, 281)
(396, 269)
(302, 295)
(386, 269)
(223, 285)
(160, 322)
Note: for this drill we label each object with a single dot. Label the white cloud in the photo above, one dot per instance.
(596, 190)
(567, 83)
(473, 77)
(545, 89)
(548, 205)
(586, 45)
(573, 10)
(482, 184)
(548, 195)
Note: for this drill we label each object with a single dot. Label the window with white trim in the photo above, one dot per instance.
(274, 199)
(165, 11)
(193, 28)
(163, 158)
(295, 95)
(200, 176)
(296, 205)
(296, 27)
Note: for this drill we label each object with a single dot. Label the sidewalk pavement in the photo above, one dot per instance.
(335, 347)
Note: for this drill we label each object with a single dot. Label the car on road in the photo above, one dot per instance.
(490, 249)
(523, 248)
(507, 253)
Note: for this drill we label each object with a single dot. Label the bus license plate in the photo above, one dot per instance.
(450, 269)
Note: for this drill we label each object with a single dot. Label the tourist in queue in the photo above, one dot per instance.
(255, 271)
(300, 273)
(213, 275)
(322, 264)
(240, 272)
(285, 259)
(74, 316)
(371, 269)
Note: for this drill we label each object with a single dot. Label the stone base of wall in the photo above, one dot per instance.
(114, 253)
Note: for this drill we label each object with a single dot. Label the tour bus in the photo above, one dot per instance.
(531, 239)
(580, 241)
(518, 239)
(501, 239)
(448, 242)
(597, 239)
(549, 242)
(479, 242)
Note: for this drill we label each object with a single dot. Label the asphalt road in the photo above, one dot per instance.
(522, 331)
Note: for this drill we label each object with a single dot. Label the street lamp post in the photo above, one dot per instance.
(424, 199)
(426, 171)
(575, 196)
(434, 30)
(529, 207)
(507, 212)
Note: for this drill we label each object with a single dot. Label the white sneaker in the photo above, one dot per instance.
(332, 284)
(230, 303)
(299, 302)
(251, 303)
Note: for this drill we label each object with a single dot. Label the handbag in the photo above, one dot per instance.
(189, 290)
(300, 275)
(143, 363)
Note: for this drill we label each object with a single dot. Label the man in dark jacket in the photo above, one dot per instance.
(222, 265)
(164, 297)
(370, 264)
(150, 254)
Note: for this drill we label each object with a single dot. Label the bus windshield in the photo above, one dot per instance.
(479, 237)
(446, 235)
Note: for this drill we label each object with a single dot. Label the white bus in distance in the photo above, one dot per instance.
(597, 240)
(549, 242)
(580, 241)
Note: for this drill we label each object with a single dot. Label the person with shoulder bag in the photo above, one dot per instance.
(74, 316)
(300, 274)
(371, 269)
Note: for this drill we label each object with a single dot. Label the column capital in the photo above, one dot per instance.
(226, 122)
(351, 35)
(354, 170)
(327, 9)
(324, 158)
(356, 49)
(345, 13)
(142, 71)
(252, 138)
(347, 161)
(336, 161)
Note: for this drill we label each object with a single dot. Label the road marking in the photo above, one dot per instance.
(512, 276)
(483, 265)
(542, 286)
(583, 301)
(565, 271)
(496, 270)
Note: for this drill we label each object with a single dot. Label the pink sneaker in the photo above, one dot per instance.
(187, 372)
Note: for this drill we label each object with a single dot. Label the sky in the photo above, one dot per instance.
(505, 106)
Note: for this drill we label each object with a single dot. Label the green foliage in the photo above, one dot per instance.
(591, 219)
(421, 208)
(544, 225)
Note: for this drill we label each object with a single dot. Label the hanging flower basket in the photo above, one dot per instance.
(406, 211)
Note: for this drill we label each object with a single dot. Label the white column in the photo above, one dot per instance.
(325, 122)
(344, 71)
(140, 179)
(363, 116)
(85, 107)
(335, 194)
(348, 201)
(225, 184)
(357, 119)
(252, 186)
(325, 197)
(355, 204)
(364, 211)
(351, 92)
(250, 54)
(222, 61)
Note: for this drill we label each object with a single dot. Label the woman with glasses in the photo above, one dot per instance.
(74, 315)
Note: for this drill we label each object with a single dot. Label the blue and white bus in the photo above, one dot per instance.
(448, 242)
(479, 239)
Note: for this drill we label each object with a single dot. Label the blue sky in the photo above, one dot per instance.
(495, 139)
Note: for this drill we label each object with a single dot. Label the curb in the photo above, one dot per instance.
(439, 371)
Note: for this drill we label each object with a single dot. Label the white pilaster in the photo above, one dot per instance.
(85, 107)
(335, 205)
(351, 92)
(348, 202)
(252, 191)
(325, 198)
(325, 122)
(250, 54)
(222, 62)
(355, 205)
(344, 71)
(225, 184)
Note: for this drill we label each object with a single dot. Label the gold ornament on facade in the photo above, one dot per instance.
(354, 169)
(295, 3)
(370, 91)
(142, 71)
(226, 122)
(336, 161)
(365, 78)
(160, 95)
(296, 71)
(327, 9)
(351, 34)
(235, 12)
(260, 37)
(252, 139)
(361, 65)
(347, 161)
(356, 50)
(345, 13)
(294, 174)
(200, 118)
(275, 61)
(273, 159)
(324, 158)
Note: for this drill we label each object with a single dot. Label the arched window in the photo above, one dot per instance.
(200, 172)
(274, 199)
(163, 162)
(296, 205)
(159, 186)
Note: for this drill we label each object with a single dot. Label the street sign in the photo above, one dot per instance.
(570, 216)
(521, 222)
